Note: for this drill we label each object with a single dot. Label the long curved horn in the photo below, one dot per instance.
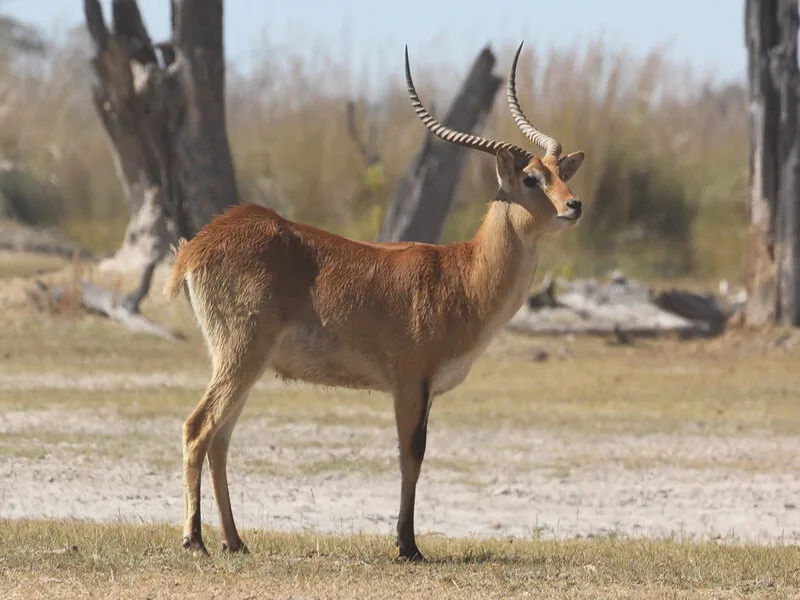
(545, 142)
(457, 137)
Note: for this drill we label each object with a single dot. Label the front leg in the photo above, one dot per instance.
(411, 408)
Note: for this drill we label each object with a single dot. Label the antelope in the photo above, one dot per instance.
(405, 318)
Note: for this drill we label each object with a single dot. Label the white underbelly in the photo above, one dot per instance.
(308, 354)
(452, 373)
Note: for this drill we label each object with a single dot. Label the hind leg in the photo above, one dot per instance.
(214, 417)
(217, 463)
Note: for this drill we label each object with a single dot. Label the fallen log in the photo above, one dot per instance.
(623, 325)
(697, 307)
(122, 309)
(622, 308)
(545, 296)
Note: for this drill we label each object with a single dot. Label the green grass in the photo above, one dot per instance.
(652, 387)
(79, 344)
(608, 396)
(15, 264)
(637, 390)
(68, 559)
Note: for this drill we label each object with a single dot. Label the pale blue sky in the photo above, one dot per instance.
(707, 34)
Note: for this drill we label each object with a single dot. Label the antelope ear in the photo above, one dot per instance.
(570, 164)
(506, 169)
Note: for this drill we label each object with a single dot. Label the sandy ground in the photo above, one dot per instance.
(480, 482)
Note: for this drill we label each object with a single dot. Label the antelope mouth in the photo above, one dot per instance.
(571, 217)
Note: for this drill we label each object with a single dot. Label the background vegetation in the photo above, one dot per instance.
(664, 182)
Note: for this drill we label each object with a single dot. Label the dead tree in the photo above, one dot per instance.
(424, 196)
(163, 109)
(773, 262)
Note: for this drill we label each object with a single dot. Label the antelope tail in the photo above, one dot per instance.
(177, 277)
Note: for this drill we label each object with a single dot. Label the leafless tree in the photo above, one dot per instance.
(163, 108)
(773, 262)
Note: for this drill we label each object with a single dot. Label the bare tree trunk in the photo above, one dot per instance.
(773, 261)
(786, 75)
(163, 110)
(761, 35)
(165, 121)
(203, 167)
(425, 194)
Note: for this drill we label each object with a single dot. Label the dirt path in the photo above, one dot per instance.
(344, 479)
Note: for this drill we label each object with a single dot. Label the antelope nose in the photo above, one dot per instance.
(574, 205)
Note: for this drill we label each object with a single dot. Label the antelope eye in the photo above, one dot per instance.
(530, 181)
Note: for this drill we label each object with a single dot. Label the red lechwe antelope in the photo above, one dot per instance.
(405, 318)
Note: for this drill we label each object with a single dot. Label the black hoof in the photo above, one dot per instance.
(195, 546)
(412, 556)
(239, 548)
(409, 553)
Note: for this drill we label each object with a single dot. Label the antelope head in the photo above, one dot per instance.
(538, 185)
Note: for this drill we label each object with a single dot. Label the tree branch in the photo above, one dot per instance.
(132, 301)
(109, 304)
(96, 24)
(129, 29)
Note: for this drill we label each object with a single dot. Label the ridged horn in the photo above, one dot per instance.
(545, 142)
(457, 137)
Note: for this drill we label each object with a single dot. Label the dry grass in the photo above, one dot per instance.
(15, 264)
(67, 559)
(734, 386)
(664, 181)
(663, 184)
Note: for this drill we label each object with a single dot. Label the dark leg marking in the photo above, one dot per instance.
(406, 542)
(419, 438)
